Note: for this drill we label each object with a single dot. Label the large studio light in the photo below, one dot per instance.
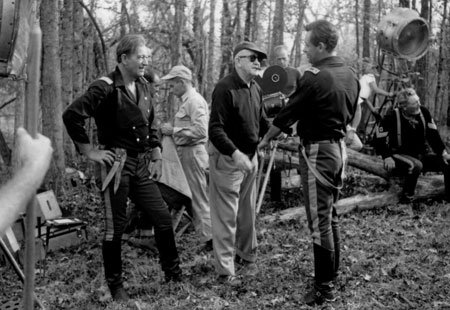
(404, 33)
(8, 30)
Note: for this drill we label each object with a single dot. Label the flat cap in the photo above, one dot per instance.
(178, 71)
(246, 45)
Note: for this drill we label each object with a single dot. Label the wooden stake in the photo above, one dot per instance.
(31, 119)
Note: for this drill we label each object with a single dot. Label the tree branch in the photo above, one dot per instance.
(99, 33)
(7, 102)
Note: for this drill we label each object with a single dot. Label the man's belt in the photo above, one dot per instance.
(326, 141)
(116, 169)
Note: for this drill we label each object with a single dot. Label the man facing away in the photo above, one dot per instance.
(323, 105)
(237, 121)
(190, 133)
(121, 105)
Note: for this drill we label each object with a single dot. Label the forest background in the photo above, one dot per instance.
(395, 257)
(79, 39)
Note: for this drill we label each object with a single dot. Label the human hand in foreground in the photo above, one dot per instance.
(34, 155)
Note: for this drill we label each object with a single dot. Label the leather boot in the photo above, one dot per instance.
(337, 247)
(447, 182)
(337, 260)
(323, 290)
(168, 254)
(112, 261)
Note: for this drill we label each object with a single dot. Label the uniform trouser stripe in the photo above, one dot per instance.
(312, 194)
(328, 160)
(109, 224)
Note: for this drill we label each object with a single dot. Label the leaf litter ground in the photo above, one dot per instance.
(394, 257)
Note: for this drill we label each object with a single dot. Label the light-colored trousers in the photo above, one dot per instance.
(194, 160)
(232, 194)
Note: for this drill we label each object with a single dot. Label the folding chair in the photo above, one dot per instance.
(177, 216)
(54, 223)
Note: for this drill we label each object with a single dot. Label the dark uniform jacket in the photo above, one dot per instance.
(237, 118)
(120, 121)
(324, 102)
(413, 140)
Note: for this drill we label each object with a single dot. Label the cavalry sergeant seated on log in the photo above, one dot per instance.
(404, 139)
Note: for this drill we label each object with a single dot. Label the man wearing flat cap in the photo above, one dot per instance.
(237, 122)
(190, 133)
(409, 142)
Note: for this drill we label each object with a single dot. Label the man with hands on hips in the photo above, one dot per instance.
(121, 104)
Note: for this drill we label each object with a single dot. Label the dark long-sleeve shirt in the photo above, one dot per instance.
(323, 103)
(122, 120)
(414, 136)
(237, 118)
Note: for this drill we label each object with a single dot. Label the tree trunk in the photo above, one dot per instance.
(51, 101)
(123, 18)
(210, 76)
(278, 28)
(255, 18)
(237, 23)
(296, 54)
(226, 40)
(248, 21)
(198, 46)
(357, 28)
(176, 37)
(366, 30)
(422, 63)
(77, 74)
(439, 102)
(67, 72)
(371, 164)
(427, 187)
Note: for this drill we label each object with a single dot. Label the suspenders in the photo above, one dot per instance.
(399, 126)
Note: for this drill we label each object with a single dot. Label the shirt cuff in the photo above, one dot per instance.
(156, 154)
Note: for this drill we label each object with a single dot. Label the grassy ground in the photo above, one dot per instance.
(394, 257)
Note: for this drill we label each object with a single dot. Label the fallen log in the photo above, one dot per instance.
(427, 187)
(368, 163)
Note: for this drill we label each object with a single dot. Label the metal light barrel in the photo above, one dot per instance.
(8, 29)
(404, 33)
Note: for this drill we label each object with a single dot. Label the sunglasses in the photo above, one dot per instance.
(252, 58)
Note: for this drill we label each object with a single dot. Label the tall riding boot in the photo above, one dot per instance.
(168, 254)
(337, 260)
(112, 260)
(409, 187)
(337, 246)
(323, 290)
(447, 182)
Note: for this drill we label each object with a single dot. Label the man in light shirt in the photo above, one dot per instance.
(190, 133)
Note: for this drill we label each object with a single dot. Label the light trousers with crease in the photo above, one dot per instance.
(232, 196)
